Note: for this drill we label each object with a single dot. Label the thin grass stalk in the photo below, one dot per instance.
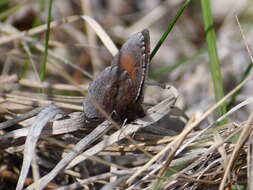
(213, 55)
(44, 64)
(169, 28)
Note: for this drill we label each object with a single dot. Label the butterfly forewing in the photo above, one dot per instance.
(134, 58)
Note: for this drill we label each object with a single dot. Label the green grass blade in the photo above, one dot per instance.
(213, 55)
(169, 28)
(44, 64)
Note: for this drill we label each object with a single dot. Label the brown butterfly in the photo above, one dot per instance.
(119, 89)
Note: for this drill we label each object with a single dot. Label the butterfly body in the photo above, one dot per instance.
(118, 90)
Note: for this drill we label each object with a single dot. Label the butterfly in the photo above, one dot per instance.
(119, 88)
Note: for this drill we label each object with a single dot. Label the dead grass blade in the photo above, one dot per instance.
(79, 147)
(102, 35)
(73, 122)
(37, 30)
(92, 38)
(237, 107)
(247, 129)
(97, 28)
(187, 130)
(14, 121)
(153, 115)
(204, 156)
(33, 135)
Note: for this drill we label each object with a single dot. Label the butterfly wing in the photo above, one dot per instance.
(134, 57)
(119, 88)
(112, 91)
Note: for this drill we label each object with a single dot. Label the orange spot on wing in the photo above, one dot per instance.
(127, 62)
